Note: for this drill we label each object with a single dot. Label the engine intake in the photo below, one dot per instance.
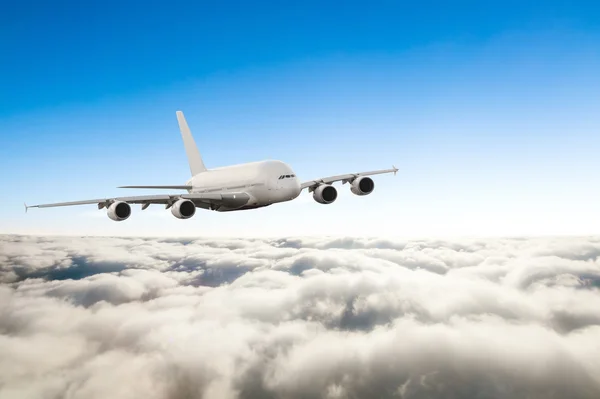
(183, 209)
(362, 186)
(325, 194)
(119, 211)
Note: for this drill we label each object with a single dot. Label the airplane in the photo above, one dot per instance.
(231, 188)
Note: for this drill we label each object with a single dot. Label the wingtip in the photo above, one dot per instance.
(26, 207)
(395, 169)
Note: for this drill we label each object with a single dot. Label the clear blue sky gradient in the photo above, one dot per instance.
(491, 110)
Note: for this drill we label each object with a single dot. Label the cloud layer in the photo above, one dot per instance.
(299, 318)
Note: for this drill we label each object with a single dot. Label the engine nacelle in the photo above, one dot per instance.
(325, 194)
(183, 209)
(119, 211)
(362, 186)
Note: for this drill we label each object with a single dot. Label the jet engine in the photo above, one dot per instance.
(325, 194)
(362, 185)
(183, 209)
(119, 211)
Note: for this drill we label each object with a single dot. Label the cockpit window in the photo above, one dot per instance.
(286, 177)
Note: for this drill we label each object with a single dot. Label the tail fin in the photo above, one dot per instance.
(193, 155)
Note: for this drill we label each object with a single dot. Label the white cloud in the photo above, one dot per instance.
(304, 317)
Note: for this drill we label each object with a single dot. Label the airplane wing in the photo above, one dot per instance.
(201, 200)
(312, 184)
(161, 187)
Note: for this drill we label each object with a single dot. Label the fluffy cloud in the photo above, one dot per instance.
(299, 317)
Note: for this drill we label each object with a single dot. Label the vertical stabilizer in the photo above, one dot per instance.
(193, 155)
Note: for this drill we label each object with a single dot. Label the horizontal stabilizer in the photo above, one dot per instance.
(161, 187)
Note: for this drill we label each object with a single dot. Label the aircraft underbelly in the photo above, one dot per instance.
(243, 208)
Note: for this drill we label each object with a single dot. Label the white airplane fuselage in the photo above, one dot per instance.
(266, 182)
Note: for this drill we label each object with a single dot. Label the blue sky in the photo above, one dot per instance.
(489, 109)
